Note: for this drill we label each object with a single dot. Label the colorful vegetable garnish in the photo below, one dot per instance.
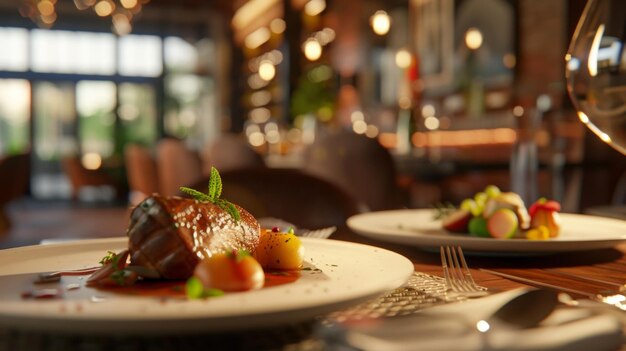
(544, 213)
(539, 233)
(108, 258)
(232, 271)
(503, 224)
(113, 271)
(196, 290)
(279, 250)
(478, 227)
(457, 221)
(502, 215)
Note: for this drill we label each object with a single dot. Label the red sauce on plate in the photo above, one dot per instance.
(148, 288)
(176, 289)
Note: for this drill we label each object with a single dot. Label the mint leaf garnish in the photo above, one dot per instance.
(196, 194)
(213, 195)
(215, 185)
(229, 208)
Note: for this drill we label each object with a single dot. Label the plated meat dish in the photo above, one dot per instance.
(170, 235)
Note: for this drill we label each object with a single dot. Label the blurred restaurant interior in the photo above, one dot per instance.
(401, 103)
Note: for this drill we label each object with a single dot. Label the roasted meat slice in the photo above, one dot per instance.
(171, 234)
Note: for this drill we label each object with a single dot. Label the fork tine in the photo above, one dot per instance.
(444, 265)
(457, 274)
(323, 233)
(468, 274)
(456, 269)
(453, 279)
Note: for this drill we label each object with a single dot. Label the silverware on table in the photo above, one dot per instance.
(618, 300)
(620, 287)
(322, 233)
(459, 280)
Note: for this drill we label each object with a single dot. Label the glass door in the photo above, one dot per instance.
(55, 136)
(14, 116)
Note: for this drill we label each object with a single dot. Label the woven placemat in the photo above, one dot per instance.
(421, 291)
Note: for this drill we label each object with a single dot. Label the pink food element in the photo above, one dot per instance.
(457, 221)
(511, 201)
(546, 213)
(503, 224)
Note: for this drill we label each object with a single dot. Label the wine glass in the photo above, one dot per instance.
(595, 70)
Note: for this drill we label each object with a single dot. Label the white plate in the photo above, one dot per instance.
(350, 273)
(418, 228)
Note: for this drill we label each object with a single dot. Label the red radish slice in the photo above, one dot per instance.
(457, 221)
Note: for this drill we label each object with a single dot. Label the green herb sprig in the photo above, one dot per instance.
(213, 195)
(442, 210)
(194, 289)
(110, 256)
(119, 275)
(238, 255)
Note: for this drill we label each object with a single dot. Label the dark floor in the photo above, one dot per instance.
(34, 221)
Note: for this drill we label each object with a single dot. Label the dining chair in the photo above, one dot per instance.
(230, 151)
(358, 164)
(14, 177)
(141, 172)
(286, 194)
(177, 165)
(83, 179)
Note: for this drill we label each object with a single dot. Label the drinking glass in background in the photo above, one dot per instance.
(596, 70)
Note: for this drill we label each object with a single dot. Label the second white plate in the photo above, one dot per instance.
(418, 228)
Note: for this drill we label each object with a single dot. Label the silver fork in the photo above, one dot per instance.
(322, 233)
(459, 280)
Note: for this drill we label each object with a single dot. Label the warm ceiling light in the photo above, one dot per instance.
(325, 36)
(428, 110)
(359, 127)
(509, 60)
(431, 123)
(260, 115)
(121, 24)
(312, 49)
(381, 22)
(372, 131)
(49, 19)
(128, 4)
(45, 7)
(257, 38)
(104, 8)
(473, 38)
(278, 25)
(91, 160)
(403, 58)
(250, 11)
(267, 71)
(43, 11)
(260, 98)
(314, 7)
